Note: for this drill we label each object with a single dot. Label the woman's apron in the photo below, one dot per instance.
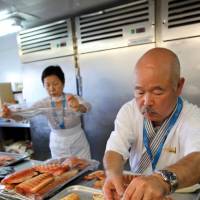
(69, 142)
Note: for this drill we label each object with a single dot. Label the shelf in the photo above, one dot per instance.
(11, 123)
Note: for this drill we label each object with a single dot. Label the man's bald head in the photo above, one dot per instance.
(157, 84)
(162, 59)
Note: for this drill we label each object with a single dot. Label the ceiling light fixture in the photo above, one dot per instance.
(9, 23)
(4, 14)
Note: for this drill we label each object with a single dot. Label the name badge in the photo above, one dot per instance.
(170, 149)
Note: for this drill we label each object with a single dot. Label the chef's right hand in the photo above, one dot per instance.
(113, 188)
(6, 112)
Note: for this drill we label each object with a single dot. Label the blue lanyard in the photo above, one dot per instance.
(53, 105)
(170, 124)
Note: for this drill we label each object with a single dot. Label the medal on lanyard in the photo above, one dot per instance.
(60, 122)
(170, 124)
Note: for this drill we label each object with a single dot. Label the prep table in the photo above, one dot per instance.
(79, 181)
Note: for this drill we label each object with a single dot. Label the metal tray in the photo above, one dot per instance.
(10, 195)
(84, 192)
(17, 158)
(93, 165)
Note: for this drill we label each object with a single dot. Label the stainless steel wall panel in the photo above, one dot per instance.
(188, 53)
(107, 79)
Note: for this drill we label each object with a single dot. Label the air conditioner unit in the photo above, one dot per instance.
(129, 24)
(46, 41)
(181, 19)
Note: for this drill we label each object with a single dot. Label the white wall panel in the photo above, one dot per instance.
(10, 67)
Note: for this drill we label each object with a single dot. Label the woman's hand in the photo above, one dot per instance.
(74, 104)
(6, 112)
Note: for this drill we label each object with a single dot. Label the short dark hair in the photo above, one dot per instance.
(53, 70)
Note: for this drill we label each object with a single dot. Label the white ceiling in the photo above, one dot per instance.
(37, 12)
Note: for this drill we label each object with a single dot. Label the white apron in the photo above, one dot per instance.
(69, 142)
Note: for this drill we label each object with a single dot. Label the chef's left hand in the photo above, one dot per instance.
(147, 188)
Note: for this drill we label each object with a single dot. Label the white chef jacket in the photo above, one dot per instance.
(63, 142)
(127, 137)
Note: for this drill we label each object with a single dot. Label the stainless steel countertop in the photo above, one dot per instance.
(185, 196)
(175, 196)
(12, 123)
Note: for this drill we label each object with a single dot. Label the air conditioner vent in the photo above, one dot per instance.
(106, 27)
(103, 38)
(179, 16)
(47, 41)
(182, 13)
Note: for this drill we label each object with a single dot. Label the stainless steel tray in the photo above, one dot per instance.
(17, 158)
(93, 165)
(84, 192)
(10, 195)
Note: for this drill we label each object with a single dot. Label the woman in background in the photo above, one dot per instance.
(67, 138)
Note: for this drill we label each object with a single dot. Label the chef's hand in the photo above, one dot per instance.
(74, 104)
(113, 188)
(6, 112)
(147, 188)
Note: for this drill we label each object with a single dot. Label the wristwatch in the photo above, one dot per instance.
(170, 178)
